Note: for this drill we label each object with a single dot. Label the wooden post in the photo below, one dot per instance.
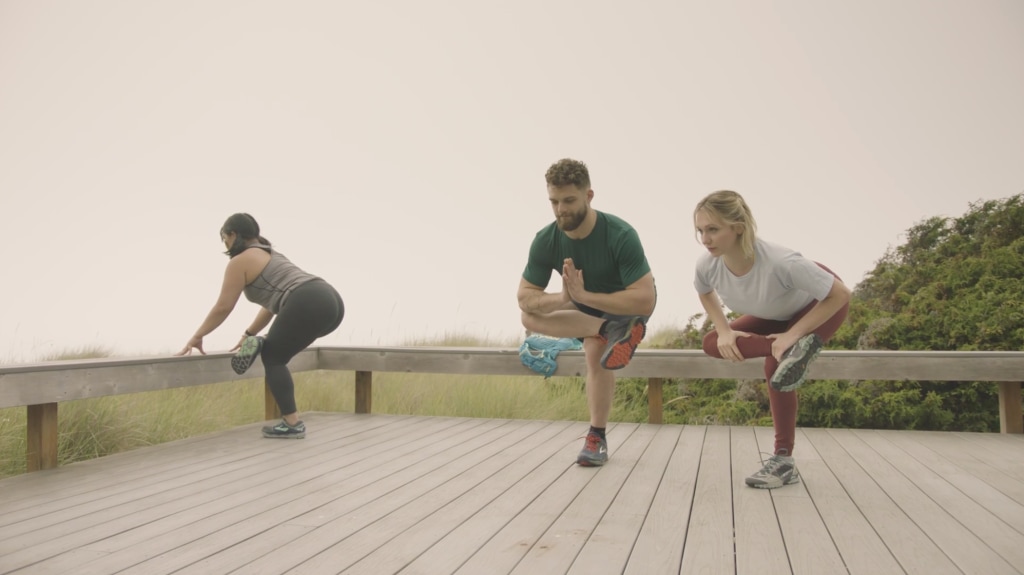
(654, 399)
(364, 391)
(42, 436)
(1010, 418)
(270, 408)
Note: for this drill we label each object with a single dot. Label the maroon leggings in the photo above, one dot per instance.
(783, 403)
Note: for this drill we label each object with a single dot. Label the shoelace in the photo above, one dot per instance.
(771, 465)
(593, 442)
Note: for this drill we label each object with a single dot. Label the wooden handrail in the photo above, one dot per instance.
(42, 386)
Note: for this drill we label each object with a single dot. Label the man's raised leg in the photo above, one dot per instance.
(563, 323)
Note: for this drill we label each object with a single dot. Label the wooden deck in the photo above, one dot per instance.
(426, 495)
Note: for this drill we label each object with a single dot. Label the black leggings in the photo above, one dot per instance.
(312, 310)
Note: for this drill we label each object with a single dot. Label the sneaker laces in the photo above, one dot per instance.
(771, 465)
(593, 442)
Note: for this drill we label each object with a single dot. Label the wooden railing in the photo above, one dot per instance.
(41, 387)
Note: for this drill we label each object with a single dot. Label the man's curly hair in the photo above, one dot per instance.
(566, 172)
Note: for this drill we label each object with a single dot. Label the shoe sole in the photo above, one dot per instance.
(772, 485)
(783, 379)
(289, 436)
(589, 463)
(246, 356)
(618, 355)
(790, 481)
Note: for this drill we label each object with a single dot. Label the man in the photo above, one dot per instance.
(607, 290)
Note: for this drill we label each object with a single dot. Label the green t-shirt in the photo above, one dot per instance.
(611, 257)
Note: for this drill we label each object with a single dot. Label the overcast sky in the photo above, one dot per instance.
(398, 148)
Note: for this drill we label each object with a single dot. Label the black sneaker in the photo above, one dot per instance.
(793, 367)
(594, 452)
(778, 470)
(247, 354)
(284, 431)
(622, 337)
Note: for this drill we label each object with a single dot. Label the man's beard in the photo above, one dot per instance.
(573, 221)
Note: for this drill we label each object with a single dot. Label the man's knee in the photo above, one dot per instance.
(592, 349)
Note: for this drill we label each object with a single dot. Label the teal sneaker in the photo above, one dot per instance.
(247, 354)
(793, 368)
(284, 431)
(594, 452)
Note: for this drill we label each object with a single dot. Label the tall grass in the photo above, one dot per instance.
(95, 427)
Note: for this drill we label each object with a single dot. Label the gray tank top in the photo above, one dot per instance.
(276, 281)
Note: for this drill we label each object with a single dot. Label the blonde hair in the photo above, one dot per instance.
(730, 207)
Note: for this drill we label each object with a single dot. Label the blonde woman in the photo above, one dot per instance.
(790, 306)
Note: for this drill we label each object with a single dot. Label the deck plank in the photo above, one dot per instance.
(659, 545)
(440, 495)
(1009, 511)
(612, 541)
(758, 536)
(964, 548)
(985, 464)
(503, 552)
(561, 544)
(457, 476)
(369, 550)
(863, 551)
(934, 493)
(709, 538)
(912, 548)
(170, 526)
(367, 481)
(809, 545)
(537, 470)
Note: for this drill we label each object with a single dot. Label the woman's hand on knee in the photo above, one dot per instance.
(727, 345)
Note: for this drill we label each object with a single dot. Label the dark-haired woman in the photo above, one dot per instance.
(306, 306)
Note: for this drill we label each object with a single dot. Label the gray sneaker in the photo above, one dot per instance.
(284, 431)
(594, 452)
(778, 470)
(247, 354)
(793, 368)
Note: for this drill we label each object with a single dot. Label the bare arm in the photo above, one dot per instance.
(230, 289)
(727, 346)
(262, 320)
(713, 307)
(837, 297)
(638, 298)
(533, 299)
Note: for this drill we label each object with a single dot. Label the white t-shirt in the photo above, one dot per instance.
(781, 283)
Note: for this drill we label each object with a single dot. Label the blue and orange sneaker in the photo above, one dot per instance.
(594, 452)
(622, 335)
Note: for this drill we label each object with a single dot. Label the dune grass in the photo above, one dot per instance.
(95, 427)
